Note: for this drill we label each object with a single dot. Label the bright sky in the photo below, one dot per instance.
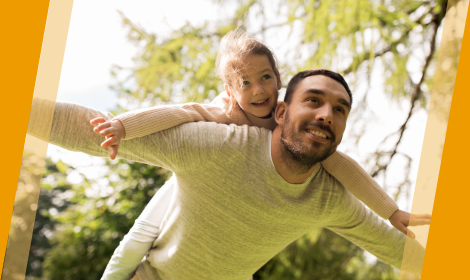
(97, 40)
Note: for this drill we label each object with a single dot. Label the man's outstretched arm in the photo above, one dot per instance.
(186, 146)
(70, 129)
(361, 226)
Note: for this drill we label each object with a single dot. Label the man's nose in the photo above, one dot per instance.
(325, 114)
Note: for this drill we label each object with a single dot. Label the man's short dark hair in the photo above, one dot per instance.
(311, 72)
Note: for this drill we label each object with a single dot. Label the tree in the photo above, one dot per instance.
(83, 223)
(393, 41)
(53, 198)
(388, 46)
(22, 219)
(323, 255)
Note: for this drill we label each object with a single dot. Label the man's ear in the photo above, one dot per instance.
(280, 113)
(227, 90)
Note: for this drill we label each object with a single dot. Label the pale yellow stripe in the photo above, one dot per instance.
(34, 153)
(436, 126)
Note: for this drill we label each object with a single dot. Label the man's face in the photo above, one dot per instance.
(315, 120)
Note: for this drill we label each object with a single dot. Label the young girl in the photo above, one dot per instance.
(251, 81)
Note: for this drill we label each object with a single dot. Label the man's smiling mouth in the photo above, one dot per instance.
(317, 133)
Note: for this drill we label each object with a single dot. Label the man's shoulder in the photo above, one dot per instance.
(223, 128)
(327, 179)
(219, 144)
(209, 133)
(329, 185)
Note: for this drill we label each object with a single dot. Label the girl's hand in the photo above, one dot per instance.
(113, 131)
(401, 220)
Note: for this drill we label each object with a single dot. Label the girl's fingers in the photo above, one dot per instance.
(420, 222)
(102, 126)
(401, 227)
(423, 216)
(420, 216)
(411, 234)
(97, 121)
(108, 132)
(113, 145)
(420, 219)
(113, 151)
(108, 142)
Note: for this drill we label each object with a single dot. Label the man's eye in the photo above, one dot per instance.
(314, 100)
(339, 109)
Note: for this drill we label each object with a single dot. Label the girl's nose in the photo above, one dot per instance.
(257, 89)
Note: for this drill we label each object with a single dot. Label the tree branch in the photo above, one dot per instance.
(414, 97)
(394, 43)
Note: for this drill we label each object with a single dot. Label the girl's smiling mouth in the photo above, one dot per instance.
(260, 103)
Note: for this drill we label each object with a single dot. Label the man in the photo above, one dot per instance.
(244, 193)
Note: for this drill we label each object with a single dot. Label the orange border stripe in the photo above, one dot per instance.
(448, 245)
(22, 29)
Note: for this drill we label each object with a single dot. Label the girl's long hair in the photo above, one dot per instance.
(236, 45)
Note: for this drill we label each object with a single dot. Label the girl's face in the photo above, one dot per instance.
(258, 92)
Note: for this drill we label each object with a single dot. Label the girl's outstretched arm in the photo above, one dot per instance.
(142, 122)
(352, 176)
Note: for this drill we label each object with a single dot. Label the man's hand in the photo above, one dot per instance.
(113, 131)
(401, 220)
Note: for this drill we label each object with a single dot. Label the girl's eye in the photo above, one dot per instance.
(265, 77)
(245, 83)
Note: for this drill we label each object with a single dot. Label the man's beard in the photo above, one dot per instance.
(296, 155)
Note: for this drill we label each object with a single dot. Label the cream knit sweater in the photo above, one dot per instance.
(228, 218)
(142, 122)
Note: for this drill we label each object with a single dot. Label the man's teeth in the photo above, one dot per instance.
(319, 134)
(260, 102)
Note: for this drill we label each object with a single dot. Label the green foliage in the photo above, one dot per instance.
(323, 255)
(78, 224)
(178, 69)
(344, 35)
(22, 220)
(354, 37)
(51, 199)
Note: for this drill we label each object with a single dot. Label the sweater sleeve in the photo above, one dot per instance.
(140, 238)
(67, 125)
(362, 227)
(138, 123)
(349, 173)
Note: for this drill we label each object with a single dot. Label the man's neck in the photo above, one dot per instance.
(289, 169)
